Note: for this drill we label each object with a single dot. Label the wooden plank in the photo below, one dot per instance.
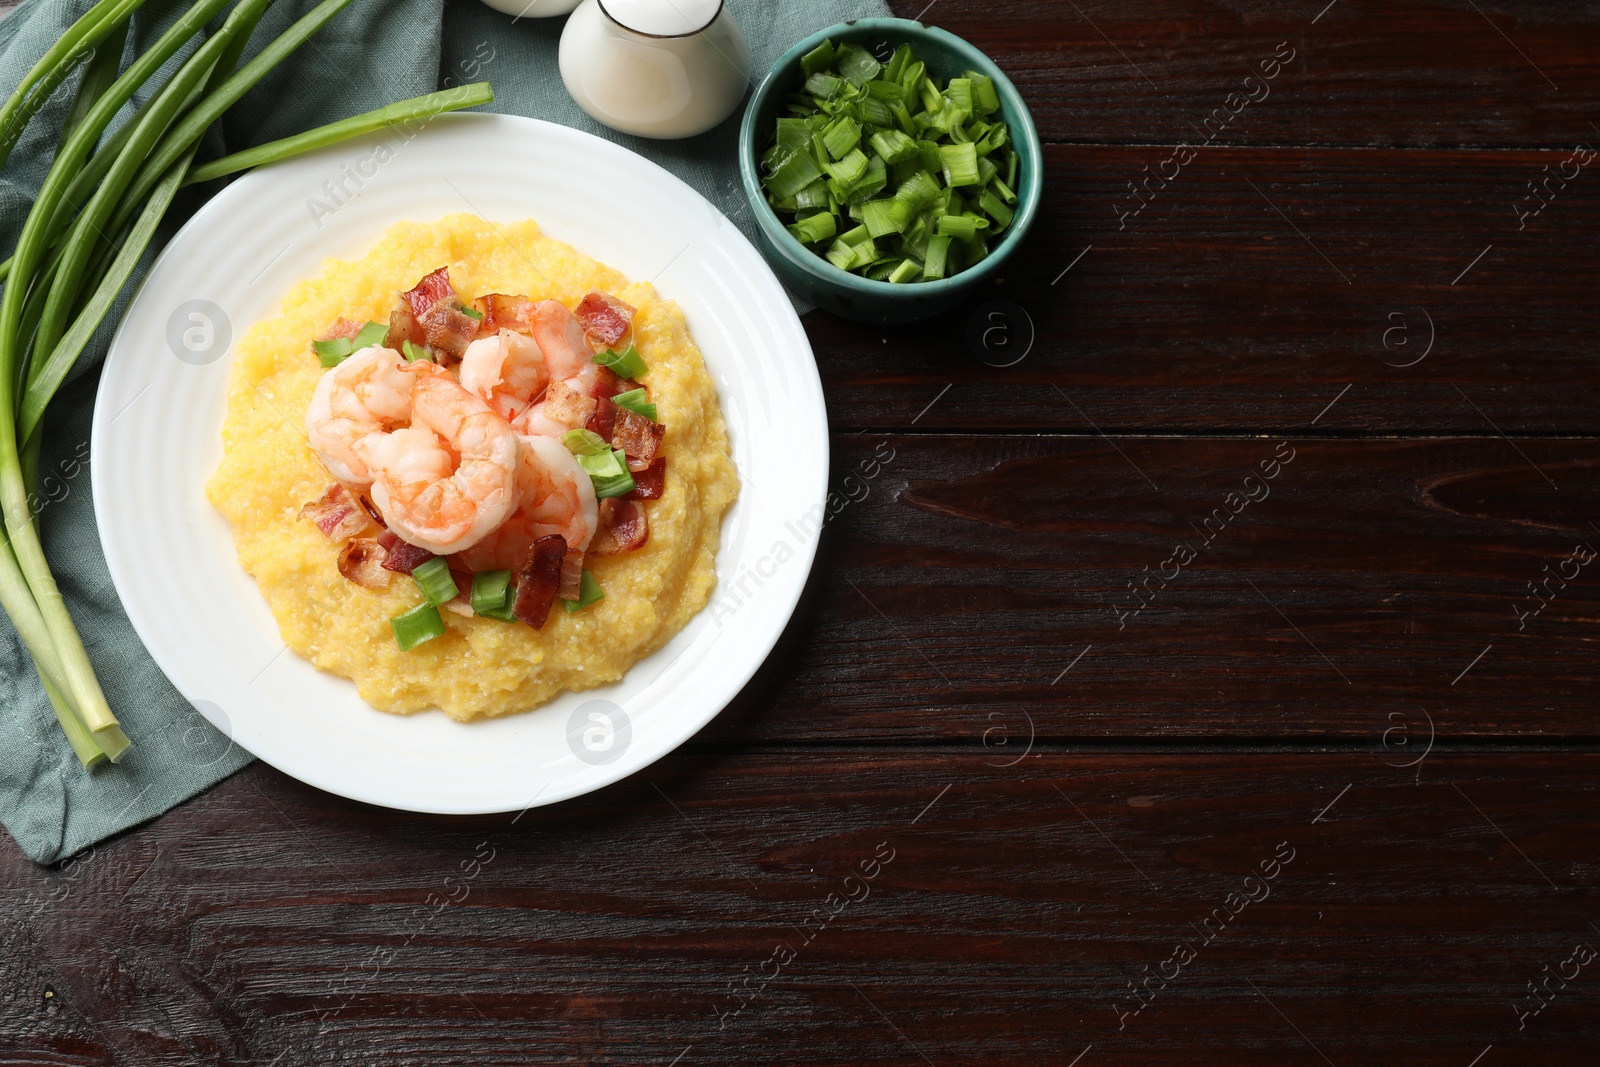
(1010, 912)
(1252, 290)
(1364, 580)
(1361, 72)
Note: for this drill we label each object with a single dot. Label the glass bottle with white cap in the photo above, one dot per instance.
(656, 68)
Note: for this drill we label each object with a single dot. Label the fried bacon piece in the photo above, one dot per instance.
(341, 327)
(648, 483)
(638, 436)
(566, 405)
(402, 556)
(606, 320)
(540, 580)
(571, 575)
(337, 513)
(435, 311)
(428, 292)
(403, 326)
(604, 419)
(502, 312)
(623, 527)
(361, 561)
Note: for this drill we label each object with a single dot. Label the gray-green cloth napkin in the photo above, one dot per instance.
(374, 52)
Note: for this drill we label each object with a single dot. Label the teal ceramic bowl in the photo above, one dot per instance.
(850, 295)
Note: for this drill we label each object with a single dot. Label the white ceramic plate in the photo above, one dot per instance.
(157, 439)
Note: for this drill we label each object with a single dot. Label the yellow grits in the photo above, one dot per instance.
(481, 666)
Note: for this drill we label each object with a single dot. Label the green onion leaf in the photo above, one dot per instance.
(609, 474)
(414, 352)
(825, 85)
(878, 217)
(984, 97)
(962, 227)
(938, 254)
(818, 59)
(585, 443)
(1004, 190)
(373, 333)
(893, 146)
(589, 591)
(898, 62)
(996, 209)
(334, 352)
(636, 401)
(857, 65)
(794, 172)
(471, 312)
(434, 579)
(625, 364)
(491, 595)
(814, 228)
(849, 168)
(960, 164)
(841, 136)
(906, 271)
(422, 623)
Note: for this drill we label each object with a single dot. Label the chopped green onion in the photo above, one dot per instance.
(857, 65)
(373, 333)
(983, 93)
(422, 623)
(962, 227)
(960, 164)
(959, 92)
(996, 209)
(893, 146)
(471, 312)
(333, 352)
(491, 595)
(898, 62)
(933, 267)
(636, 401)
(814, 228)
(589, 591)
(434, 579)
(825, 85)
(841, 136)
(905, 271)
(796, 171)
(878, 216)
(609, 473)
(414, 352)
(848, 168)
(585, 443)
(1004, 190)
(819, 58)
(625, 364)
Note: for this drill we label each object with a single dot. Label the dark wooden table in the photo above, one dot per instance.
(1207, 675)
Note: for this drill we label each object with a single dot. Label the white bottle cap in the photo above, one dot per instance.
(662, 18)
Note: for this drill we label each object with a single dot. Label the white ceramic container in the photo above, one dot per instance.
(533, 9)
(656, 68)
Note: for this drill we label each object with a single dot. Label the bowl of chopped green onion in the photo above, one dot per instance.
(891, 168)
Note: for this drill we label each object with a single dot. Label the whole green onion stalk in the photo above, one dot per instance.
(93, 218)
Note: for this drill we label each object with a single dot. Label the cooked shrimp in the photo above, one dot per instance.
(507, 370)
(445, 482)
(368, 393)
(566, 350)
(555, 497)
